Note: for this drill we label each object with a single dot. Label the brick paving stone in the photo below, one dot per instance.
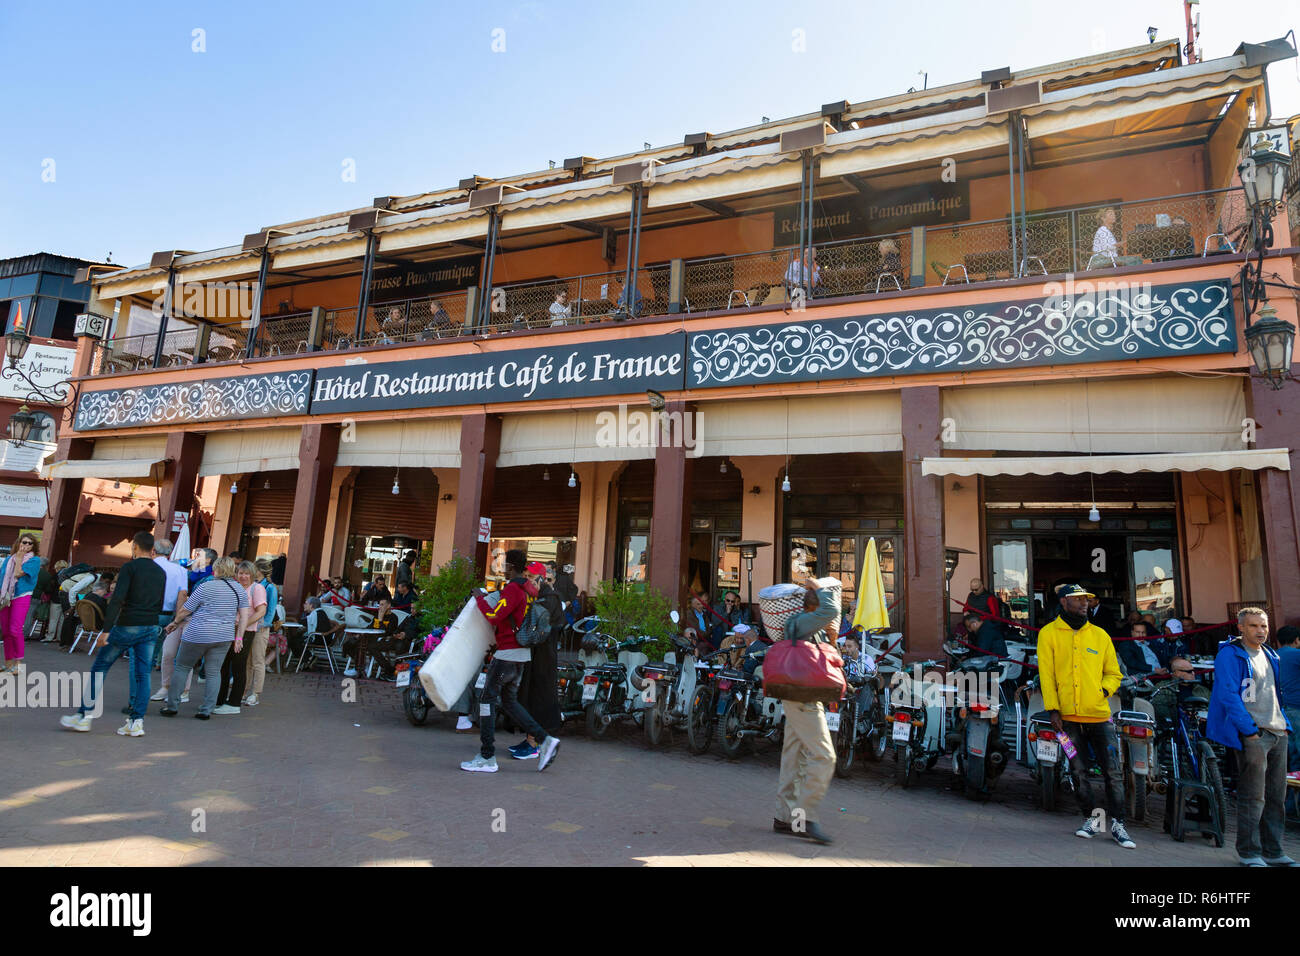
(289, 785)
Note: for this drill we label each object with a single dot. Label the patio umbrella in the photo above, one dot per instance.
(872, 610)
(181, 546)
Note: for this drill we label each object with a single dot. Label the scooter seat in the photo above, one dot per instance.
(1041, 715)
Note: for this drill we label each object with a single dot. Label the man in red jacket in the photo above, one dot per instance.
(507, 667)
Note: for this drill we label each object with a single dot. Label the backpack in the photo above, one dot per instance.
(535, 627)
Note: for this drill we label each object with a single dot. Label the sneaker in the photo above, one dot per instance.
(202, 716)
(160, 695)
(132, 728)
(1282, 860)
(547, 751)
(527, 753)
(225, 710)
(199, 678)
(251, 700)
(464, 726)
(168, 712)
(522, 745)
(1252, 861)
(1121, 835)
(78, 722)
(185, 698)
(480, 764)
(781, 827)
(1088, 830)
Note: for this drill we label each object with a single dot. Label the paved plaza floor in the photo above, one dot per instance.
(310, 778)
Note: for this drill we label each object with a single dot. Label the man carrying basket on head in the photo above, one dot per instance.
(808, 755)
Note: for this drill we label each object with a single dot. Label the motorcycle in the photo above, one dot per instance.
(607, 691)
(702, 703)
(1047, 762)
(745, 712)
(1135, 726)
(980, 755)
(919, 721)
(857, 722)
(667, 689)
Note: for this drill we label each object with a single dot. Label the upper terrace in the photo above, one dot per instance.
(972, 183)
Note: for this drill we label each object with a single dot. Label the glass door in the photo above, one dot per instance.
(1154, 577)
(1011, 577)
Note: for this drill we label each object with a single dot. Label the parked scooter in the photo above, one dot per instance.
(745, 713)
(857, 722)
(919, 719)
(667, 689)
(980, 755)
(701, 710)
(1048, 764)
(607, 690)
(415, 702)
(1135, 726)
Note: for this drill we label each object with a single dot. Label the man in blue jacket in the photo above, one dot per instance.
(1246, 714)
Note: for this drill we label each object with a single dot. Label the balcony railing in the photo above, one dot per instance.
(1045, 243)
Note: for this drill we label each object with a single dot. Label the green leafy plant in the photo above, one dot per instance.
(444, 594)
(627, 611)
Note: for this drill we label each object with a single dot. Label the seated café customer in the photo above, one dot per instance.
(316, 621)
(98, 595)
(1105, 246)
(403, 598)
(890, 261)
(379, 646)
(805, 274)
(1173, 644)
(560, 309)
(376, 592)
(1138, 657)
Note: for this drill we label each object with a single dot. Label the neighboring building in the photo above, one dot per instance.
(42, 293)
(1014, 275)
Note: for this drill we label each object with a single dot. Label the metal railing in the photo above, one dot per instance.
(1163, 229)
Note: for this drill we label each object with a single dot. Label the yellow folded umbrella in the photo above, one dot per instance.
(872, 609)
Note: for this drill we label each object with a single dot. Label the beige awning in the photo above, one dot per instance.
(550, 438)
(1250, 460)
(133, 469)
(433, 443)
(726, 177)
(817, 425)
(900, 150)
(597, 203)
(253, 450)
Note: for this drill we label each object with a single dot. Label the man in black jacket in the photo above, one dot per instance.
(538, 691)
(130, 626)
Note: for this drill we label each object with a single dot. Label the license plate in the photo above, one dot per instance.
(832, 720)
(589, 691)
(404, 679)
(902, 732)
(481, 682)
(976, 752)
(1046, 751)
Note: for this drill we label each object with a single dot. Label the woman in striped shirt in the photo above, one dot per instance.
(213, 618)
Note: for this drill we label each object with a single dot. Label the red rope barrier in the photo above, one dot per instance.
(1029, 627)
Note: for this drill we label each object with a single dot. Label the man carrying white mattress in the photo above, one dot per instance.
(507, 667)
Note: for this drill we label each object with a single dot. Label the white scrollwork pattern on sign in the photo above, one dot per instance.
(249, 396)
(1105, 324)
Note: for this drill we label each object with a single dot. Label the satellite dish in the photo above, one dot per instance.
(1158, 573)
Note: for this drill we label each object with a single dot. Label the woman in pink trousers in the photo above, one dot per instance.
(17, 581)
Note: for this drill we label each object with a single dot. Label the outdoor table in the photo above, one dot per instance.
(287, 625)
(364, 633)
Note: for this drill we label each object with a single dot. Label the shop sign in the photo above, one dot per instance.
(1076, 321)
(485, 530)
(895, 210)
(210, 400)
(45, 365)
(425, 279)
(23, 501)
(620, 367)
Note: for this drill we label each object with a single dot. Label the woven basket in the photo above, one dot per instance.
(779, 601)
(776, 603)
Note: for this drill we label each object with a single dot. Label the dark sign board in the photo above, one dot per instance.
(895, 210)
(425, 278)
(617, 367)
(212, 400)
(1076, 321)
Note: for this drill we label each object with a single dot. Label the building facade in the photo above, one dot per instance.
(1001, 316)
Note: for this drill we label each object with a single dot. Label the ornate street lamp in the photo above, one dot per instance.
(749, 551)
(1263, 179)
(21, 424)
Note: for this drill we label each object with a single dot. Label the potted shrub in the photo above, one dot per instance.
(627, 611)
(444, 594)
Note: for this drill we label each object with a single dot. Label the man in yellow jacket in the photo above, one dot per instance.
(1078, 671)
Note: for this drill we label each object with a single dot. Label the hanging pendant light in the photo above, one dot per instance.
(785, 483)
(723, 469)
(546, 474)
(397, 490)
(1094, 514)
(234, 487)
(573, 479)
(266, 485)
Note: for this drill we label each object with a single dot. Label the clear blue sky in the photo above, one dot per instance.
(155, 146)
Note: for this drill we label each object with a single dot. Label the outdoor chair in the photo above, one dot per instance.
(92, 619)
(1028, 261)
(963, 276)
(354, 616)
(1205, 251)
(315, 646)
(1102, 256)
(892, 277)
